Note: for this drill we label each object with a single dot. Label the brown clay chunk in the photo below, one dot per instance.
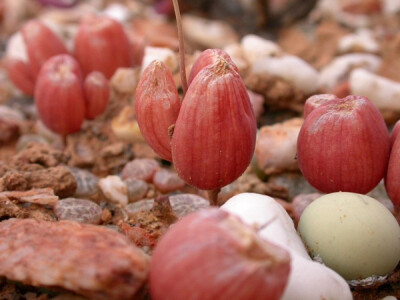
(90, 260)
(40, 154)
(59, 178)
(15, 209)
(36, 196)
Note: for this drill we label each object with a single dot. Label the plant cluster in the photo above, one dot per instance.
(70, 86)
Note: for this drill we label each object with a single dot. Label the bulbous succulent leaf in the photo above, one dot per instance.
(157, 107)
(101, 44)
(215, 133)
(59, 96)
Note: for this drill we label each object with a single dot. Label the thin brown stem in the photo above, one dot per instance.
(64, 140)
(213, 196)
(181, 46)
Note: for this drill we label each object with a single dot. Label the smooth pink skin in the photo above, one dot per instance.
(209, 57)
(21, 75)
(202, 256)
(344, 146)
(392, 178)
(59, 96)
(97, 94)
(394, 133)
(41, 44)
(215, 134)
(157, 107)
(316, 101)
(101, 44)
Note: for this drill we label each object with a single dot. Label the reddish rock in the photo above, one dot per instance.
(139, 236)
(167, 181)
(143, 169)
(90, 260)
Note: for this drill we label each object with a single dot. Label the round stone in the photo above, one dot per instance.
(167, 181)
(143, 169)
(79, 210)
(137, 189)
(87, 183)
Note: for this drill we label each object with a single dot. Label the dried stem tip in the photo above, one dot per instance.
(221, 66)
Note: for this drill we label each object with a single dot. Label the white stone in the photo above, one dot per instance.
(114, 189)
(290, 68)
(383, 92)
(238, 56)
(276, 146)
(118, 12)
(340, 67)
(16, 47)
(208, 33)
(256, 47)
(362, 39)
(165, 55)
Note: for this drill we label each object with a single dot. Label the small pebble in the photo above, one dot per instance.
(82, 153)
(167, 181)
(276, 147)
(256, 47)
(118, 12)
(208, 33)
(43, 131)
(300, 202)
(228, 192)
(113, 227)
(87, 183)
(106, 216)
(163, 54)
(142, 205)
(182, 204)
(24, 140)
(143, 169)
(388, 204)
(10, 114)
(125, 126)
(119, 214)
(124, 80)
(290, 185)
(137, 189)
(114, 189)
(79, 210)
(8, 130)
(139, 236)
(238, 56)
